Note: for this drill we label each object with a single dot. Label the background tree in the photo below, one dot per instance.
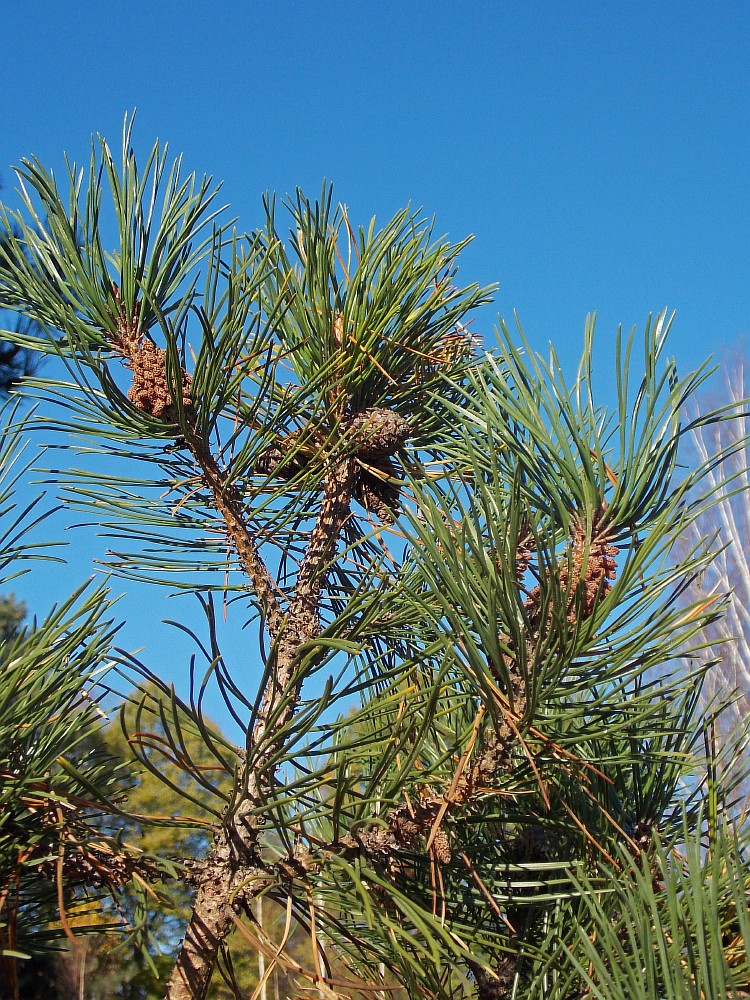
(473, 552)
(727, 524)
(12, 614)
(99, 961)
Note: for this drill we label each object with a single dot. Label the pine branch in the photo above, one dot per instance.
(225, 880)
(231, 508)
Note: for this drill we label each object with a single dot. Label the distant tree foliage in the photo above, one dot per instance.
(12, 614)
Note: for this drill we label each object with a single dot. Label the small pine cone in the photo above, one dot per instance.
(405, 830)
(150, 391)
(601, 569)
(376, 840)
(378, 432)
(297, 451)
(593, 562)
(524, 551)
(377, 497)
(269, 461)
(442, 847)
(498, 986)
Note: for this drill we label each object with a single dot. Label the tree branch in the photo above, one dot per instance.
(231, 509)
(213, 913)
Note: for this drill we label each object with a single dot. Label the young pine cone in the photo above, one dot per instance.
(378, 432)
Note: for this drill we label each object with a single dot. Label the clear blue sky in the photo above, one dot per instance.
(599, 152)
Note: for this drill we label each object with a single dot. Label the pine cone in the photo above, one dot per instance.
(378, 432)
(378, 496)
(150, 391)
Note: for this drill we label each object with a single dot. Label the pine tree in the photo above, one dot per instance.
(471, 552)
(12, 614)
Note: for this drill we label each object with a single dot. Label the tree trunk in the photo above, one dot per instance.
(209, 925)
(233, 849)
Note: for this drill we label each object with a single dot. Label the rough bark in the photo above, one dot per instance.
(231, 509)
(210, 923)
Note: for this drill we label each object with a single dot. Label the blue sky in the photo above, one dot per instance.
(598, 152)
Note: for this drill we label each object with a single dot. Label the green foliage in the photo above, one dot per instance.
(557, 717)
(56, 270)
(470, 754)
(16, 361)
(676, 925)
(58, 861)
